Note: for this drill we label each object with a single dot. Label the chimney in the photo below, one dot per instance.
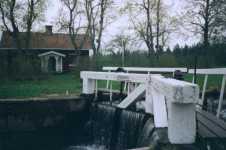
(49, 29)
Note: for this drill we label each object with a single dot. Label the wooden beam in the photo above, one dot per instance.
(176, 91)
(204, 89)
(132, 96)
(221, 96)
(212, 71)
(160, 114)
(132, 77)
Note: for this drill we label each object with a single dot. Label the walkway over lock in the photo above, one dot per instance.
(171, 102)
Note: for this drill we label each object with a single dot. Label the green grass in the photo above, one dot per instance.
(53, 84)
(58, 84)
(214, 81)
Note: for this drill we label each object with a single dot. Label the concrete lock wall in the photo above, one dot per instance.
(29, 115)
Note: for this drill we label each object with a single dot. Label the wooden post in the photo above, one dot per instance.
(125, 85)
(96, 88)
(204, 89)
(181, 123)
(181, 98)
(110, 91)
(221, 96)
(193, 79)
(128, 88)
(159, 110)
(148, 97)
(88, 86)
(107, 86)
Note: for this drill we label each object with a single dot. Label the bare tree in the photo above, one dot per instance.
(143, 24)
(121, 43)
(72, 20)
(205, 16)
(96, 13)
(35, 9)
(8, 9)
(151, 22)
(17, 15)
(158, 8)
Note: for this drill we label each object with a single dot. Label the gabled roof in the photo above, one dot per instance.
(46, 41)
(51, 52)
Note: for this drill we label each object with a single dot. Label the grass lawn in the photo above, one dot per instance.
(53, 85)
(58, 84)
(214, 81)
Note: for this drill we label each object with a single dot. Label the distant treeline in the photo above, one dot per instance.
(211, 56)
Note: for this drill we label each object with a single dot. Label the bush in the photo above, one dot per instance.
(19, 66)
(26, 67)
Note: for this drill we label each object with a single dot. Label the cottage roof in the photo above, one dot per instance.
(46, 41)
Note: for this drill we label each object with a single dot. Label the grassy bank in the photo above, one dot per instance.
(59, 84)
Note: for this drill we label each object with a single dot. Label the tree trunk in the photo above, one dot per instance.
(206, 25)
(29, 23)
(15, 32)
(149, 34)
(157, 26)
(103, 7)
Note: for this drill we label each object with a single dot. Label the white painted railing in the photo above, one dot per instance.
(172, 102)
(207, 72)
(141, 70)
(146, 70)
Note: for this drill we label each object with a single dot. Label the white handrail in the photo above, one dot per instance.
(210, 71)
(142, 69)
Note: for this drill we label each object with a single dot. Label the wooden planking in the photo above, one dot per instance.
(160, 114)
(204, 132)
(142, 69)
(213, 118)
(217, 130)
(132, 96)
(212, 71)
